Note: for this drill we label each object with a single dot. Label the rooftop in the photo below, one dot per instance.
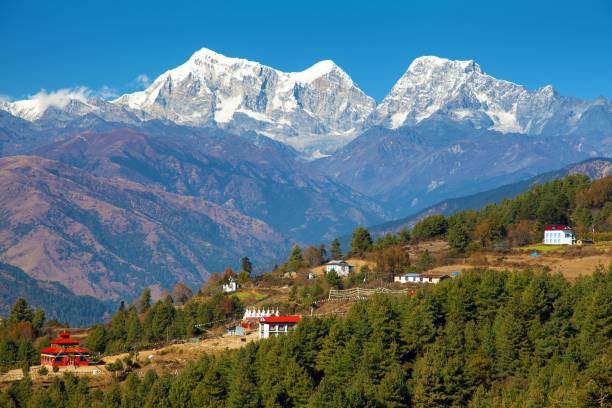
(557, 228)
(281, 319)
(337, 262)
(63, 350)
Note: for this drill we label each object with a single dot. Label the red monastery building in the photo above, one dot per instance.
(64, 352)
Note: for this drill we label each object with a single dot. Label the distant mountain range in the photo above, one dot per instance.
(593, 168)
(321, 109)
(222, 157)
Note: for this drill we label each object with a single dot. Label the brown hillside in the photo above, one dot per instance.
(110, 238)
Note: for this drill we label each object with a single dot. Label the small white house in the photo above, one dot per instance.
(342, 268)
(559, 235)
(433, 277)
(408, 278)
(231, 285)
(277, 325)
(427, 277)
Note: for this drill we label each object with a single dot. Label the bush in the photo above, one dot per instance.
(116, 366)
(333, 279)
(43, 371)
(55, 369)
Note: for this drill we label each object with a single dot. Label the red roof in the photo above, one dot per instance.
(63, 350)
(281, 319)
(557, 228)
(65, 339)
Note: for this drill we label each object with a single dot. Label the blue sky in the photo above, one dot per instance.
(108, 44)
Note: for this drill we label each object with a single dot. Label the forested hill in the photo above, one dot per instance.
(573, 200)
(59, 302)
(593, 168)
(485, 339)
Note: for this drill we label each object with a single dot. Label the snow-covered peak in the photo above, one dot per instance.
(318, 70)
(429, 62)
(461, 91)
(64, 99)
(318, 108)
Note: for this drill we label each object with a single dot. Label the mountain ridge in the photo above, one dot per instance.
(321, 109)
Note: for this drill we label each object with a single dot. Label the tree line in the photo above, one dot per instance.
(572, 200)
(485, 339)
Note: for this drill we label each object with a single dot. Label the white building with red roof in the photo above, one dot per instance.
(277, 325)
(559, 235)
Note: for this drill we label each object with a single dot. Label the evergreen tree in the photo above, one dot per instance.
(296, 260)
(322, 254)
(144, 302)
(458, 237)
(361, 242)
(21, 312)
(247, 266)
(336, 249)
(38, 320)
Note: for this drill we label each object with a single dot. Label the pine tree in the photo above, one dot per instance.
(296, 260)
(144, 303)
(243, 392)
(21, 312)
(322, 254)
(361, 242)
(336, 249)
(247, 266)
(38, 320)
(393, 388)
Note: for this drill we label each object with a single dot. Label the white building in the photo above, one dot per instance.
(277, 325)
(230, 286)
(427, 277)
(408, 278)
(559, 235)
(342, 268)
(252, 313)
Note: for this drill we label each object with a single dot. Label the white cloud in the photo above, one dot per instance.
(143, 80)
(34, 107)
(60, 98)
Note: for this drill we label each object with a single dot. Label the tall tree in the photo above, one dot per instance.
(322, 254)
(296, 259)
(247, 266)
(144, 302)
(336, 249)
(21, 312)
(361, 242)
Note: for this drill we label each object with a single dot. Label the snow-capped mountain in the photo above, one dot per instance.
(461, 91)
(318, 108)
